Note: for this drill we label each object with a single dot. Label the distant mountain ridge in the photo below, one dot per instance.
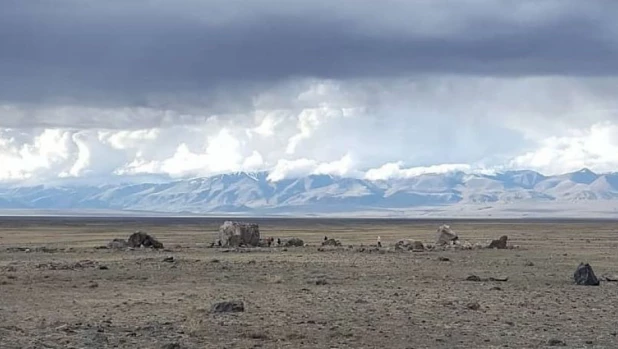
(253, 193)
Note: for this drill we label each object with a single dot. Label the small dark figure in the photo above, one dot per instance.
(379, 244)
(219, 243)
(325, 238)
(278, 242)
(269, 241)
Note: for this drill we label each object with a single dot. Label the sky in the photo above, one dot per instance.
(99, 90)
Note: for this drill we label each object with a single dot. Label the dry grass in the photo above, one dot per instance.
(300, 297)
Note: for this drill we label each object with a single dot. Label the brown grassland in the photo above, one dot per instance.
(72, 295)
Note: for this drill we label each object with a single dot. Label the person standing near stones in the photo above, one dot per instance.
(379, 242)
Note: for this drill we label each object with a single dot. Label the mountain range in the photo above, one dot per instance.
(513, 193)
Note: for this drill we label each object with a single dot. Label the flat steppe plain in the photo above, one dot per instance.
(70, 294)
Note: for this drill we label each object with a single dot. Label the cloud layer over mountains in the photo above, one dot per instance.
(101, 89)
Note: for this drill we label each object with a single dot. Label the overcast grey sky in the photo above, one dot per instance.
(190, 87)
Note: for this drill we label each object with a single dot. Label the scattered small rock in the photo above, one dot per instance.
(321, 282)
(529, 264)
(473, 306)
(556, 343)
(478, 278)
(103, 267)
(53, 265)
(443, 259)
(228, 307)
(473, 278)
(585, 276)
(169, 259)
(93, 284)
(257, 335)
(500, 279)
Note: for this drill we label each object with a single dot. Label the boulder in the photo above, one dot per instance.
(466, 246)
(585, 276)
(417, 246)
(118, 244)
(139, 239)
(402, 244)
(331, 242)
(235, 234)
(500, 243)
(446, 236)
(294, 242)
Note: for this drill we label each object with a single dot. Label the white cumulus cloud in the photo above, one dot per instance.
(376, 129)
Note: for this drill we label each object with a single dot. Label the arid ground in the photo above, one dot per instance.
(57, 290)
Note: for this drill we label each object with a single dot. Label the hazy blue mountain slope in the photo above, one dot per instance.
(253, 192)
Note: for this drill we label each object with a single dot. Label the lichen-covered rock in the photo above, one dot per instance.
(235, 234)
(585, 276)
(446, 235)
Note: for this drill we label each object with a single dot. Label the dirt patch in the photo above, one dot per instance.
(413, 299)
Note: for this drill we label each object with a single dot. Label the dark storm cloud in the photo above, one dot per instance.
(124, 52)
